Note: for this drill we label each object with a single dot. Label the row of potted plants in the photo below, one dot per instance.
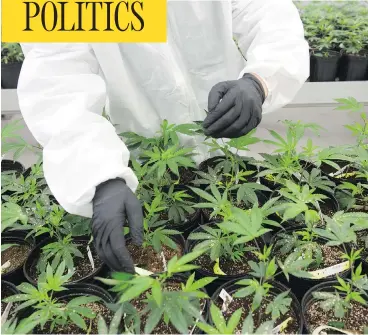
(231, 246)
(337, 34)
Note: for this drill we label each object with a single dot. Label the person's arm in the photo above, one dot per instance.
(61, 97)
(271, 36)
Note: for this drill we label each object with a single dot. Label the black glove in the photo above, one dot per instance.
(113, 204)
(239, 111)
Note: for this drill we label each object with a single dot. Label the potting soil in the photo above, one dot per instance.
(354, 320)
(16, 255)
(161, 327)
(148, 259)
(82, 266)
(98, 308)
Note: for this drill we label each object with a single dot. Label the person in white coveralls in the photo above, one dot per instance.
(64, 87)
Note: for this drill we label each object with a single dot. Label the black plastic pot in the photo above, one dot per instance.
(300, 286)
(35, 255)
(353, 67)
(278, 288)
(17, 237)
(7, 289)
(324, 68)
(9, 165)
(308, 299)
(73, 291)
(10, 75)
(201, 273)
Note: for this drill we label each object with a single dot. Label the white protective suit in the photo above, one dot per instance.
(63, 88)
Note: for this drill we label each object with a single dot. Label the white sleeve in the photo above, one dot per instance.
(61, 97)
(270, 35)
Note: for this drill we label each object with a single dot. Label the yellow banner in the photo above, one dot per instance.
(84, 21)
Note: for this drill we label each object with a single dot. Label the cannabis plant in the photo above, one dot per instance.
(164, 298)
(247, 225)
(167, 136)
(53, 224)
(25, 191)
(13, 327)
(156, 233)
(162, 161)
(11, 141)
(346, 292)
(354, 196)
(220, 326)
(237, 235)
(11, 53)
(50, 313)
(231, 168)
(114, 327)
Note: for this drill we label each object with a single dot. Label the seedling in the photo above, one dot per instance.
(49, 312)
(178, 305)
(11, 53)
(220, 326)
(348, 291)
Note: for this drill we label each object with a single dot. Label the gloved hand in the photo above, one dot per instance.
(113, 204)
(240, 109)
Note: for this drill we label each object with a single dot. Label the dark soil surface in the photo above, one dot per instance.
(16, 255)
(246, 305)
(148, 259)
(83, 267)
(226, 265)
(361, 241)
(326, 209)
(186, 176)
(70, 328)
(354, 320)
(161, 328)
(331, 256)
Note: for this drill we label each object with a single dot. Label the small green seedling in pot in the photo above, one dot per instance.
(164, 298)
(231, 168)
(220, 326)
(48, 311)
(354, 196)
(156, 233)
(11, 53)
(26, 191)
(247, 225)
(53, 224)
